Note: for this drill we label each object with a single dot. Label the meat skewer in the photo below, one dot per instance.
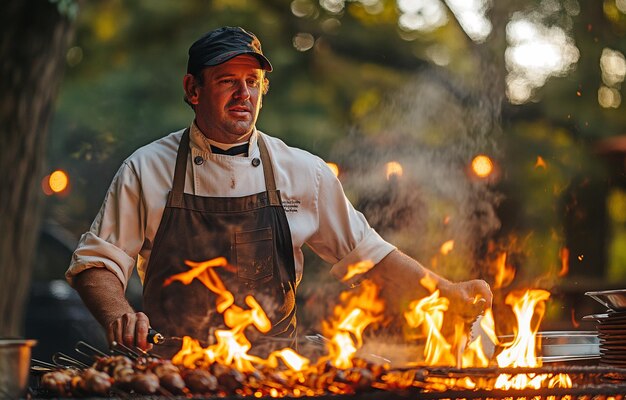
(63, 360)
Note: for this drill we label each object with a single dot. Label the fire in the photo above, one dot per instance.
(428, 314)
(488, 325)
(393, 169)
(351, 319)
(358, 309)
(290, 358)
(564, 261)
(231, 347)
(504, 273)
(521, 352)
(203, 271)
(540, 163)
(359, 268)
(447, 247)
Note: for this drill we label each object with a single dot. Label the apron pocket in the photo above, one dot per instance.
(254, 254)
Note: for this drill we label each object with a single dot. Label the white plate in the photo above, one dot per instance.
(612, 299)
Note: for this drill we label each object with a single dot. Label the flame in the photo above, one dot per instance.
(482, 166)
(488, 324)
(357, 310)
(521, 352)
(359, 268)
(346, 331)
(474, 355)
(504, 273)
(292, 359)
(427, 313)
(575, 323)
(447, 247)
(203, 271)
(333, 167)
(393, 169)
(429, 283)
(564, 261)
(540, 163)
(231, 347)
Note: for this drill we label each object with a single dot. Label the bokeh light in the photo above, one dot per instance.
(471, 14)
(482, 166)
(303, 41)
(58, 181)
(303, 8)
(393, 169)
(421, 15)
(536, 52)
(609, 97)
(613, 66)
(55, 183)
(333, 167)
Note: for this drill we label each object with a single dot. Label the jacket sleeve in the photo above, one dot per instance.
(344, 237)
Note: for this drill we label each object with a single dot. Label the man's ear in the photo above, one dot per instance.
(191, 88)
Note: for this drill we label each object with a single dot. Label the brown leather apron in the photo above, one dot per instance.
(253, 234)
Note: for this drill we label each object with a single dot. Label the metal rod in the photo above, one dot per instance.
(128, 351)
(486, 372)
(40, 363)
(80, 349)
(60, 358)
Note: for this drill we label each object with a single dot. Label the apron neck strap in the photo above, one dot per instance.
(268, 170)
(178, 187)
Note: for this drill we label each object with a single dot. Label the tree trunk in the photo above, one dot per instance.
(34, 38)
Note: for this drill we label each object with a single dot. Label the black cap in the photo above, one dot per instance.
(222, 44)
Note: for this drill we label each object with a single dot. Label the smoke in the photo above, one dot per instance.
(433, 128)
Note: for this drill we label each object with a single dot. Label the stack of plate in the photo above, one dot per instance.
(611, 326)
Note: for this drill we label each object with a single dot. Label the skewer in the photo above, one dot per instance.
(63, 360)
(94, 353)
(126, 351)
(148, 354)
(40, 363)
(38, 366)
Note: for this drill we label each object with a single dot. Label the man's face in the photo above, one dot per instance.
(227, 104)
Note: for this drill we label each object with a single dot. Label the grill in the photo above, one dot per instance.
(595, 382)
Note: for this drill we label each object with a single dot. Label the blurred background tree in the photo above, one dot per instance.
(34, 40)
(402, 95)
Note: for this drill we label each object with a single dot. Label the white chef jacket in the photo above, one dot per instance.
(318, 212)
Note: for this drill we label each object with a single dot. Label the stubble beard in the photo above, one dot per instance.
(237, 129)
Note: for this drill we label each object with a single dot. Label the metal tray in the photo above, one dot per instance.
(565, 345)
(612, 299)
(569, 343)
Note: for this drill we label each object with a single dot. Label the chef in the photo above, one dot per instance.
(222, 188)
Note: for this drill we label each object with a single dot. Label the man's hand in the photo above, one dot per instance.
(103, 294)
(468, 299)
(131, 329)
(399, 276)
